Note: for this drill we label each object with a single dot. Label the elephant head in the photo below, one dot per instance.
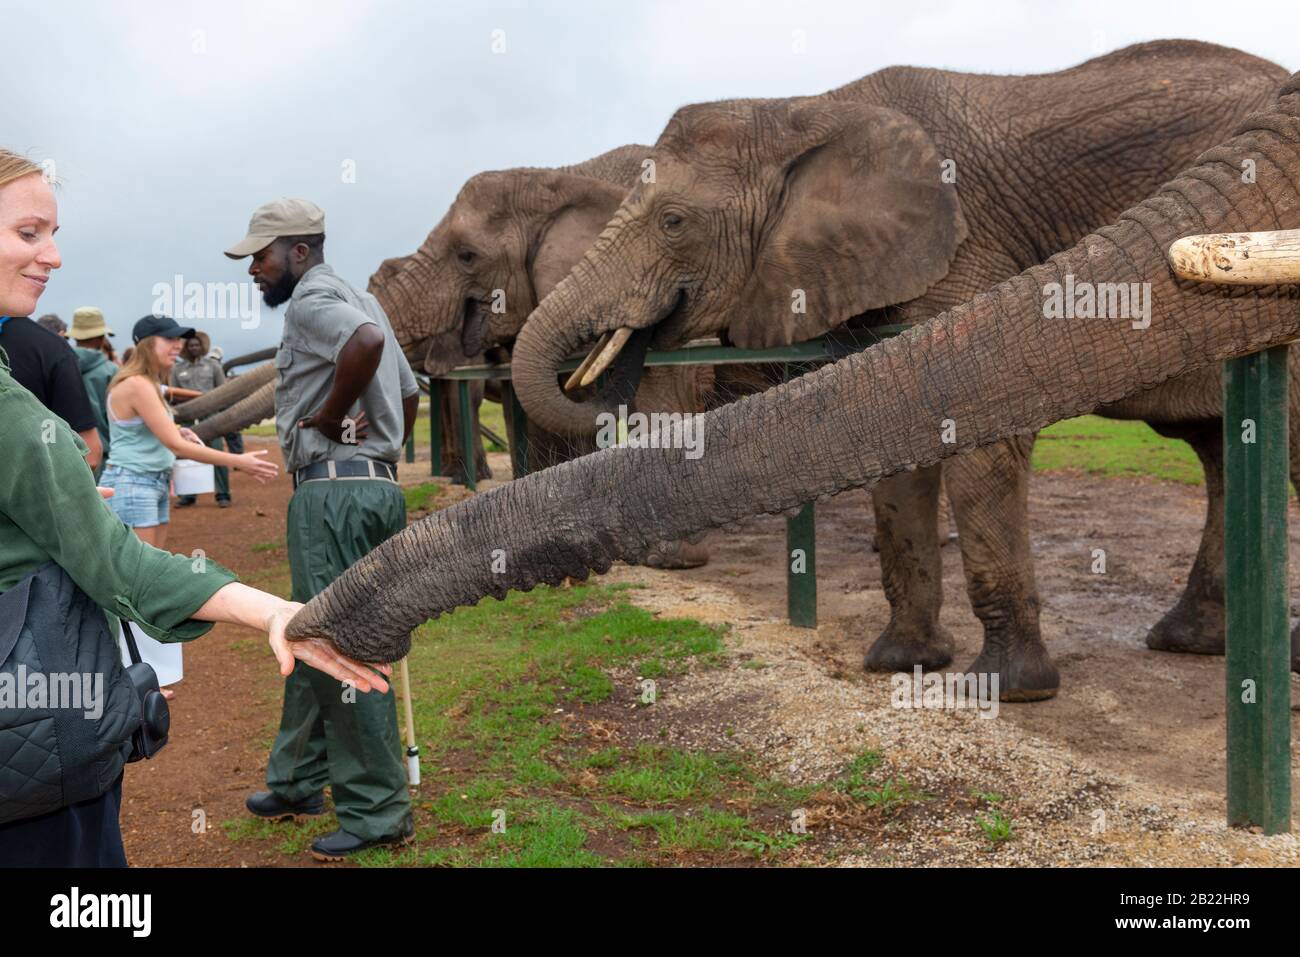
(768, 222)
(508, 239)
(999, 365)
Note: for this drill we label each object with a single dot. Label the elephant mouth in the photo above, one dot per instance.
(620, 357)
(474, 327)
(669, 331)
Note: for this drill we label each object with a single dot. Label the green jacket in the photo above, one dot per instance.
(96, 373)
(50, 510)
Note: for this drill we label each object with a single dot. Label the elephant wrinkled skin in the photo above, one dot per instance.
(895, 198)
(994, 364)
(506, 241)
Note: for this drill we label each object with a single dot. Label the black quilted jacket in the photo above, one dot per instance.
(55, 755)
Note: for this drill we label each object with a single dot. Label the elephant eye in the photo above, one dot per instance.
(466, 256)
(671, 220)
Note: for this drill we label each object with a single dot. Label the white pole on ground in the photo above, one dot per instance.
(412, 749)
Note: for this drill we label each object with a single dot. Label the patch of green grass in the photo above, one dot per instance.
(268, 546)
(604, 758)
(549, 836)
(498, 695)
(487, 676)
(997, 827)
(291, 838)
(1112, 447)
(705, 830)
(658, 775)
(888, 795)
(855, 779)
(421, 497)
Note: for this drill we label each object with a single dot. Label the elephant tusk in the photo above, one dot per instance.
(575, 380)
(607, 355)
(1259, 259)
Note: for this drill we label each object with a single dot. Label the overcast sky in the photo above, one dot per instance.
(169, 121)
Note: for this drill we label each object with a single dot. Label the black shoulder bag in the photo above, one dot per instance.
(155, 718)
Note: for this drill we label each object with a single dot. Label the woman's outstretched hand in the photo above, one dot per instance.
(320, 654)
(240, 605)
(257, 467)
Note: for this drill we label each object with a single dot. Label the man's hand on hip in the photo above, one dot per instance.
(345, 431)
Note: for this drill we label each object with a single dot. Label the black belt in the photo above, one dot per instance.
(350, 469)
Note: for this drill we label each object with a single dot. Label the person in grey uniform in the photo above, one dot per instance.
(197, 370)
(345, 401)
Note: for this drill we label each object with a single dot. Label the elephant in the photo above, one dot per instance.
(893, 199)
(995, 364)
(508, 238)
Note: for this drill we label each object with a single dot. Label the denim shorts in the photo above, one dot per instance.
(142, 499)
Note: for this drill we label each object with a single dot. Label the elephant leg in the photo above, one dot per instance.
(1196, 623)
(453, 449)
(989, 491)
(907, 512)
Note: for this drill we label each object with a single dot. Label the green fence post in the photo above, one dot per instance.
(801, 558)
(410, 439)
(467, 436)
(517, 426)
(801, 572)
(1258, 604)
(435, 427)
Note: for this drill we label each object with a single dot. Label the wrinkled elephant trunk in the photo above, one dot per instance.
(570, 320)
(224, 396)
(995, 367)
(248, 411)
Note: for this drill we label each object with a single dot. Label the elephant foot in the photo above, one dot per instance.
(677, 555)
(1024, 670)
(1192, 628)
(903, 647)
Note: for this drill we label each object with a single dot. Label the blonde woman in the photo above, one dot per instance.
(64, 556)
(144, 442)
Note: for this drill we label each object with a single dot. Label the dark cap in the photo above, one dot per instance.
(159, 326)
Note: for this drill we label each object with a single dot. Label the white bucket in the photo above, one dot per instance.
(166, 658)
(193, 478)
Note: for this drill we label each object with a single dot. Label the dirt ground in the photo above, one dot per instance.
(1124, 767)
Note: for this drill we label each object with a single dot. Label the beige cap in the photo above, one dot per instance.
(87, 323)
(280, 217)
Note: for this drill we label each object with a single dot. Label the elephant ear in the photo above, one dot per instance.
(863, 220)
(579, 209)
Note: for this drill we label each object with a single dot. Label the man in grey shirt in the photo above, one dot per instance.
(345, 401)
(197, 370)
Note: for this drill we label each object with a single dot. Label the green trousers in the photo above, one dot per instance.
(329, 733)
